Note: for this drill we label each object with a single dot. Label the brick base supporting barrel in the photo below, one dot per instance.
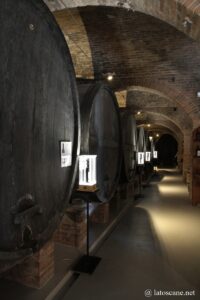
(72, 229)
(127, 190)
(102, 214)
(36, 270)
(137, 186)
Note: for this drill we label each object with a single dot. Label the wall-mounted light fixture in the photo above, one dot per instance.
(148, 125)
(151, 138)
(139, 113)
(187, 22)
(157, 134)
(109, 76)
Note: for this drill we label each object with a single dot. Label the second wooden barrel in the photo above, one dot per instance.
(141, 141)
(101, 135)
(129, 135)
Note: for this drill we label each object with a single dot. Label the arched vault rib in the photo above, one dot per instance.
(155, 118)
(183, 15)
(152, 101)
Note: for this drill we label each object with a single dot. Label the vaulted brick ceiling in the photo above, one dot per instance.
(147, 100)
(182, 14)
(144, 51)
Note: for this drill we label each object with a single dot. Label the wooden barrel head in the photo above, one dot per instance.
(38, 110)
(101, 135)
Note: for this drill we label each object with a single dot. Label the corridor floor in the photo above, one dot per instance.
(156, 247)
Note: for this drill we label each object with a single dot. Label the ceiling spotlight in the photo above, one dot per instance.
(139, 113)
(187, 22)
(157, 135)
(109, 76)
(148, 125)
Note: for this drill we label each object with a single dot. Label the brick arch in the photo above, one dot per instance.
(162, 120)
(177, 77)
(182, 99)
(149, 100)
(161, 128)
(183, 15)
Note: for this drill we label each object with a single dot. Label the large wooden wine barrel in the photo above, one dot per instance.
(38, 109)
(129, 136)
(141, 141)
(101, 135)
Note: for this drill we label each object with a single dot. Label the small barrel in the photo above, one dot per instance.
(129, 136)
(39, 108)
(101, 135)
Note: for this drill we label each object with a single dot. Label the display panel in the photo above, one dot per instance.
(87, 170)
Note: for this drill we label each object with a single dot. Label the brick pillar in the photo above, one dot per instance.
(72, 229)
(189, 183)
(36, 270)
(102, 214)
(180, 155)
(187, 154)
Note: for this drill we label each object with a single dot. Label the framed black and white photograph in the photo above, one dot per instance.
(140, 158)
(87, 170)
(66, 154)
(148, 156)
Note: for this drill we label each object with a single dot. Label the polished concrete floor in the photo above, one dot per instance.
(155, 248)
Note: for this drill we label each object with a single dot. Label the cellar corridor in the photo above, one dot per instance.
(155, 246)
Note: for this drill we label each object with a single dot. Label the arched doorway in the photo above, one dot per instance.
(167, 148)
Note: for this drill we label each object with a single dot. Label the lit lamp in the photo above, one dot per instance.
(140, 158)
(109, 76)
(150, 138)
(87, 170)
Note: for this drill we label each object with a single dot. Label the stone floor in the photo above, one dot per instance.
(155, 247)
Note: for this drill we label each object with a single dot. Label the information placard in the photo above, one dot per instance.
(66, 154)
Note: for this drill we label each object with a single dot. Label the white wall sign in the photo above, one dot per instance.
(140, 158)
(147, 156)
(87, 170)
(66, 154)
(155, 154)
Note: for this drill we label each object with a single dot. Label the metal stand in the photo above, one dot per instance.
(87, 263)
(140, 195)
